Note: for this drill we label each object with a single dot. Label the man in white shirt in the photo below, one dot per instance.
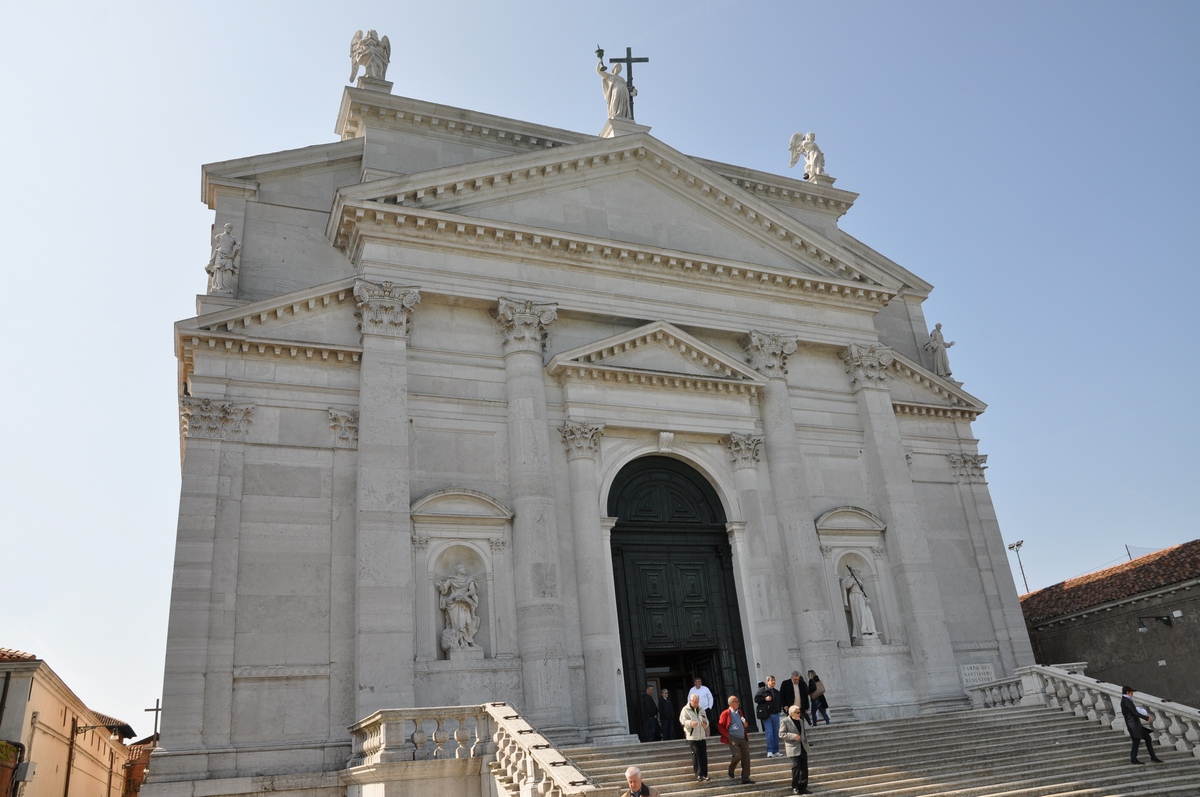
(706, 700)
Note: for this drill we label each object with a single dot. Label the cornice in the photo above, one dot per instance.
(276, 308)
(188, 343)
(938, 412)
(778, 189)
(234, 173)
(632, 377)
(363, 221)
(362, 107)
(917, 374)
(453, 188)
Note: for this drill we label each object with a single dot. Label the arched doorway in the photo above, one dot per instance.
(676, 600)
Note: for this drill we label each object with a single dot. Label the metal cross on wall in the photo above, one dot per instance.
(629, 61)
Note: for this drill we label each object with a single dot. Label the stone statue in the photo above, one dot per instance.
(223, 263)
(805, 145)
(862, 621)
(459, 600)
(616, 91)
(938, 345)
(371, 53)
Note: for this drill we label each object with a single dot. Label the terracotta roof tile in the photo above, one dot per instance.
(1144, 574)
(8, 654)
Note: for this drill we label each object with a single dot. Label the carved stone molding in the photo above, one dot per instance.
(420, 542)
(826, 550)
(743, 449)
(581, 439)
(968, 468)
(384, 307)
(523, 324)
(665, 441)
(877, 552)
(498, 543)
(345, 428)
(214, 420)
(867, 365)
(767, 353)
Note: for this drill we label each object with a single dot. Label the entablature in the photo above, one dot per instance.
(775, 188)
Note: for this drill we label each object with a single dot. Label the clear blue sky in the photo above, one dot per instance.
(1032, 160)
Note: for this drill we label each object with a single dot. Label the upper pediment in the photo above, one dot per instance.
(600, 188)
(657, 355)
(917, 391)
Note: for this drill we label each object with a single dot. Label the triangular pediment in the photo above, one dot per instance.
(630, 188)
(917, 391)
(657, 355)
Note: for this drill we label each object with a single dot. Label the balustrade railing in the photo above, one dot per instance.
(520, 759)
(1175, 725)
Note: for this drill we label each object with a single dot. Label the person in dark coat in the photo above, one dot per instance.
(794, 692)
(666, 716)
(767, 707)
(649, 710)
(816, 699)
(1133, 723)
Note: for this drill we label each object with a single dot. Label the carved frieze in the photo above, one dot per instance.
(581, 439)
(968, 468)
(743, 449)
(867, 365)
(345, 428)
(877, 551)
(420, 542)
(498, 543)
(826, 550)
(523, 324)
(384, 307)
(214, 420)
(767, 353)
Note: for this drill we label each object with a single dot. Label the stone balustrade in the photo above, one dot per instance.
(1175, 725)
(526, 762)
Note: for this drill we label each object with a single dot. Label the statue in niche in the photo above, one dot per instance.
(854, 598)
(370, 52)
(616, 91)
(804, 145)
(223, 263)
(938, 345)
(460, 600)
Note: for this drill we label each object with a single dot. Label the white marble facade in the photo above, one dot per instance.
(446, 334)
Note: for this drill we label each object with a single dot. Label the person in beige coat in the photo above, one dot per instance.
(795, 747)
(695, 730)
(633, 777)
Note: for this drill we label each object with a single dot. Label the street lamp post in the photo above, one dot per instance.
(1016, 548)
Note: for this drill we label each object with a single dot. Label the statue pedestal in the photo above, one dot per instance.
(872, 641)
(375, 84)
(822, 179)
(622, 127)
(465, 654)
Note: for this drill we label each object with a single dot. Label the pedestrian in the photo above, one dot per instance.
(706, 699)
(633, 776)
(767, 707)
(733, 733)
(791, 730)
(794, 692)
(649, 710)
(666, 710)
(696, 729)
(1133, 723)
(816, 699)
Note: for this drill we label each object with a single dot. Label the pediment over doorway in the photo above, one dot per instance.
(657, 355)
(849, 520)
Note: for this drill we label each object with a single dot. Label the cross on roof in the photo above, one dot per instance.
(629, 61)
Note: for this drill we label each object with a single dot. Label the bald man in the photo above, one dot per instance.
(633, 777)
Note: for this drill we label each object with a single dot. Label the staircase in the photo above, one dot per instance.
(1014, 752)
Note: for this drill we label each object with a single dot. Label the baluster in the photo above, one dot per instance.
(440, 737)
(419, 738)
(1012, 694)
(1103, 708)
(1160, 724)
(1176, 730)
(1191, 738)
(1060, 695)
(1074, 699)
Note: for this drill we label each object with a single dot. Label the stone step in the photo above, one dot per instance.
(1013, 752)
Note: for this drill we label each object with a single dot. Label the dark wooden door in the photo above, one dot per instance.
(673, 570)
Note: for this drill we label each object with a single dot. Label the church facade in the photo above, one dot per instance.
(477, 409)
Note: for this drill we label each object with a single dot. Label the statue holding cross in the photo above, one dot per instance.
(618, 92)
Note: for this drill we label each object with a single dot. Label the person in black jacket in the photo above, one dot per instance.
(666, 716)
(768, 704)
(794, 692)
(816, 699)
(1133, 723)
(649, 706)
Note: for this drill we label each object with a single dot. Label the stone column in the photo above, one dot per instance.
(594, 584)
(541, 626)
(922, 612)
(813, 620)
(383, 606)
(762, 574)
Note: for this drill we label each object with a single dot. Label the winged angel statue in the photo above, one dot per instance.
(371, 53)
(804, 145)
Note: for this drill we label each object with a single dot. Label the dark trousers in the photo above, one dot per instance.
(699, 757)
(666, 729)
(740, 751)
(649, 727)
(800, 770)
(1136, 735)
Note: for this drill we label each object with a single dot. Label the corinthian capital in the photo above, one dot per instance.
(867, 365)
(384, 307)
(214, 420)
(968, 468)
(767, 352)
(523, 324)
(743, 449)
(581, 439)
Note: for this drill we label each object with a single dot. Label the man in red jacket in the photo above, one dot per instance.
(733, 733)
